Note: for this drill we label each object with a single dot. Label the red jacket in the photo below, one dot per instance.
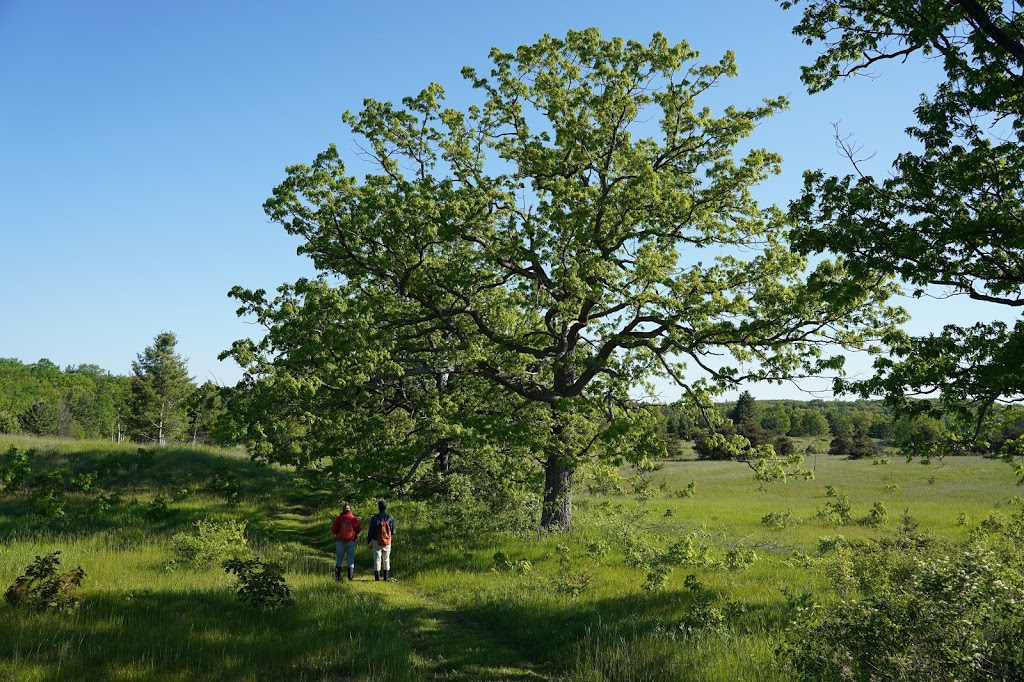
(336, 527)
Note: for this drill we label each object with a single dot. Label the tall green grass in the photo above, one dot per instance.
(454, 611)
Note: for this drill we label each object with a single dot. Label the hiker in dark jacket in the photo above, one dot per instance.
(379, 537)
(346, 531)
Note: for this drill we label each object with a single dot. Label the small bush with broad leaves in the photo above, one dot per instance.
(44, 588)
(260, 585)
(917, 609)
(211, 542)
(780, 520)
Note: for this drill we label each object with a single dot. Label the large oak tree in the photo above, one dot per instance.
(510, 272)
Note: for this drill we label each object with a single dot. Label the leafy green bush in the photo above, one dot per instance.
(260, 585)
(570, 579)
(598, 549)
(705, 617)
(47, 494)
(690, 551)
(84, 482)
(506, 564)
(183, 494)
(211, 542)
(919, 611)
(157, 509)
(15, 469)
(877, 517)
(739, 559)
(44, 588)
(780, 520)
(836, 512)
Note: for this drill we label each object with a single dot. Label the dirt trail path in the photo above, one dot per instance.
(450, 647)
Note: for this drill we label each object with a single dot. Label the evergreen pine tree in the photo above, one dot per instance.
(160, 386)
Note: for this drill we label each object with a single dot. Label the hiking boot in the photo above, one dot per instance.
(376, 575)
(384, 574)
(351, 572)
(337, 573)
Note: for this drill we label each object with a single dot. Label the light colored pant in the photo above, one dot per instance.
(343, 549)
(381, 556)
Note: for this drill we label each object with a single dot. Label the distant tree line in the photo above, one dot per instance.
(857, 428)
(160, 403)
(157, 403)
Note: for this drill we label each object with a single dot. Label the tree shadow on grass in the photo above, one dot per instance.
(635, 636)
(453, 647)
(209, 635)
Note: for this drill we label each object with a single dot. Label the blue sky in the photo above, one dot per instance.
(138, 142)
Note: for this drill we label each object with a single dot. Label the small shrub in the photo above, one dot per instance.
(157, 509)
(702, 620)
(780, 520)
(44, 588)
(260, 585)
(211, 542)
(689, 491)
(83, 483)
(603, 479)
(47, 494)
(836, 512)
(224, 484)
(991, 524)
(739, 559)
(799, 606)
(932, 613)
(691, 552)
(505, 564)
(643, 480)
(705, 618)
(657, 575)
(878, 517)
(183, 494)
(146, 457)
(99, 506)
(570, 580)
(799, 560)
(908, 524)
(15, 469)
(829, 543)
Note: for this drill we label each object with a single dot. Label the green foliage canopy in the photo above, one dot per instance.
(532, 259)
(950, 214)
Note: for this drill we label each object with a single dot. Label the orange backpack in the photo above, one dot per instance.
(346, 532)
(384, 533)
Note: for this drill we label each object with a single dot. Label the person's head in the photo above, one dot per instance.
(381, 505)
(346, 508)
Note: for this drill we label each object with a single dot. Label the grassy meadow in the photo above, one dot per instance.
(529, 606)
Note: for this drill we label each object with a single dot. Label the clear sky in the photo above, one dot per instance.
(139, 140)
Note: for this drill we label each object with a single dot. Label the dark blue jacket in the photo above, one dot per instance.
(375, 522)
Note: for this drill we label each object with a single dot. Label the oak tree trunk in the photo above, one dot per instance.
(557, 511)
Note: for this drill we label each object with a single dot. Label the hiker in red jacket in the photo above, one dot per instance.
(382, 530)
(346, 529)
